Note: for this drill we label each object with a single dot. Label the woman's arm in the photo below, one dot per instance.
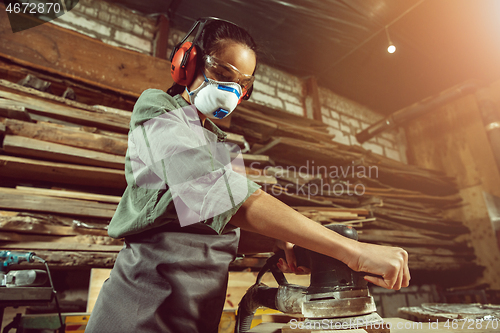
(263, 214)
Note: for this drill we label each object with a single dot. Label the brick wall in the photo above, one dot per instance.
(122, 27)
(344, 117)
(111, 23)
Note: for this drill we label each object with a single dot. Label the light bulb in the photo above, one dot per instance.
(391, 48)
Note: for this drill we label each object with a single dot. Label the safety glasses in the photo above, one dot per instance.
(222, 71)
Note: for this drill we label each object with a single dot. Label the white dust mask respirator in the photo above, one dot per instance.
(215, 99)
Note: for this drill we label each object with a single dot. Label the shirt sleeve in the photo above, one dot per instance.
(171, 155)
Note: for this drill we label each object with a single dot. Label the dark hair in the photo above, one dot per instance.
(215, 34)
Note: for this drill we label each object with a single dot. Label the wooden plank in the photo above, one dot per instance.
(25, 224)
(243, 118)
(29, 169)
(84, 93)
(70, 136)
(311, 100)
(18, 200)
(430, 229)
(108, 109)
(31, 92)
(54, 246)
(22, 146)
(251, 128)
(161, 40)
(69, 194)
(262, 179)
(403, 238)
(97, 278)
(356, 211)
(76, 258)
(70, 54)
(17, 238)
(102, 120)
(81, 225)
(256, 161)
(332, 156)
(13, 111)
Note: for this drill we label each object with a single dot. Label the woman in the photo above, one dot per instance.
(171, 275)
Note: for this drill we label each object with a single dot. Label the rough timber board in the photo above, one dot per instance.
(24, 168)
(76, 56)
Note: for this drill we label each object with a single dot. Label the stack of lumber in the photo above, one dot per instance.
(388, 202)
(62, 175)
(389, 216)
(61, 172)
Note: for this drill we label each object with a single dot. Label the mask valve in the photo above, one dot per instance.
(220, 113)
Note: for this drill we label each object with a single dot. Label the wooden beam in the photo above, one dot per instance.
(82, 225)
(77, 258)
(161, 38)
(256, 161)
(54, 246)
(70, 194)
(14, 111)
(31, 92)
(311, 101)
(69, 136)
(21, 146)
(84, 92)
(22, 223)
(20, 200)
(98, 119)
(70, 54)
(29, 169)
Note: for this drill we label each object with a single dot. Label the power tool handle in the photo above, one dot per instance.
(300, 255)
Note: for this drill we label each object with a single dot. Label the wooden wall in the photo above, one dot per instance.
(453, 139)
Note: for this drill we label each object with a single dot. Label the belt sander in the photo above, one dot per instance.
(336, 293)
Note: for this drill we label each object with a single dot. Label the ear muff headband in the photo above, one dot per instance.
(184, 74)
(185, 56)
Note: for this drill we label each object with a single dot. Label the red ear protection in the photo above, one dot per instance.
(183, 68)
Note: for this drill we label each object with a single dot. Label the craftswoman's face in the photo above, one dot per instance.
(235, 54)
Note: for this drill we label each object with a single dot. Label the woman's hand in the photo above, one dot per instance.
(290, 265)
(390, 264)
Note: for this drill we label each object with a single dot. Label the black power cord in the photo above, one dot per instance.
(62, 328)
